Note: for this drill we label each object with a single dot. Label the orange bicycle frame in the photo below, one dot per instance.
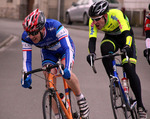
(67, 111)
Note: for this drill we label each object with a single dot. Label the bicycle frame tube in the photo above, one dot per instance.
(116, 75)
(66, 87)
(51, 80)
(51, 85)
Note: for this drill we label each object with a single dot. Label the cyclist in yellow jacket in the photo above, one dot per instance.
(118, 35)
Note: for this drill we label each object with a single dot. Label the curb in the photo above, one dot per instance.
(6, 41)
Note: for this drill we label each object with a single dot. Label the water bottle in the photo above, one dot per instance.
(63, 100)
(125, 85)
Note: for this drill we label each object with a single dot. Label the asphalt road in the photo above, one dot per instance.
(19, 103)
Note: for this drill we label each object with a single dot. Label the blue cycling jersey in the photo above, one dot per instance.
(55, 44)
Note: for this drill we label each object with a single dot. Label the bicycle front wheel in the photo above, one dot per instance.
(51, 106)
(118, 107)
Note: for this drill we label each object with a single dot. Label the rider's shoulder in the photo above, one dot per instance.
(52, 23)
(24, 35)
(114, 11)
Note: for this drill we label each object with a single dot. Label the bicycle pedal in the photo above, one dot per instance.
(76, 115)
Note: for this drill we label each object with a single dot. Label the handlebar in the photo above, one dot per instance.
(47, 69)
(110, 55)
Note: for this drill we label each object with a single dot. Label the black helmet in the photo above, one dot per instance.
(98, 8)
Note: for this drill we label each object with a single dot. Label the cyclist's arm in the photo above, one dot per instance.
(63, 36)
(92, 37)
(124, 27)
(27, 55)
(147, 31)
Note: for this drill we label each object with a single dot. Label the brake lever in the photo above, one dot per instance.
(127, 57)
(60, 67)
(92, 65)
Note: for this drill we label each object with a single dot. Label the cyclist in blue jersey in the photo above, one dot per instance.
(55, 42)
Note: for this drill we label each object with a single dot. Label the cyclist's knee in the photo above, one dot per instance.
(107, 46)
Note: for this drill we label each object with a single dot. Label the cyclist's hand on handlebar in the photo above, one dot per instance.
(90, 58)
(146, 53)
(26, 83)
(127, 49)
(66, 74)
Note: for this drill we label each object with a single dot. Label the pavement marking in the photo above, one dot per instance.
(7, 42)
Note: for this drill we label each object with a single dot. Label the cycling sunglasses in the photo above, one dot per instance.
(97, 18)
(33, 33)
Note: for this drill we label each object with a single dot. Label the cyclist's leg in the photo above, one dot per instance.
(49, 58)
(132, 75)
(108, 45)
(73, 83)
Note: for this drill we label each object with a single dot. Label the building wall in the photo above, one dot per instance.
(52, 9)
(9, 9)
(18, 9)
(134, 9)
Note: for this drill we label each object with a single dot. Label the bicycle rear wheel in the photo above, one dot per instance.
(51, 106)
(119, 107)
(74, 106)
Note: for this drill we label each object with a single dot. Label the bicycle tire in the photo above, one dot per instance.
(48, 110)
(74, 106)
(119, 107)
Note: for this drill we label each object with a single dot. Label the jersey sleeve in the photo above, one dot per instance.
(147, 30)
(92, 37)
(69, 52)
(62, 32)
(27, 54)
(63, 36)
(123, 21)
(147, 23)
(124, 26)
(92, 29)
